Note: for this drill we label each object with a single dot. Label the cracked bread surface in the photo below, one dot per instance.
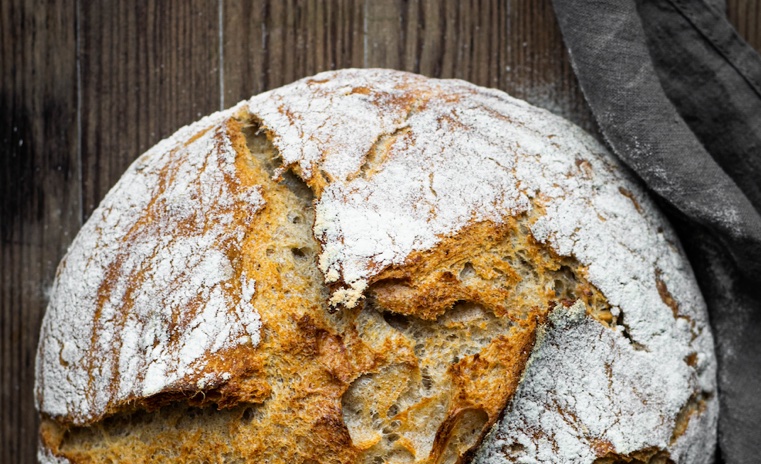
(357, 268)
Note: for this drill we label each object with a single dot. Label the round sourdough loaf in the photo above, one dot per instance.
(373, 266)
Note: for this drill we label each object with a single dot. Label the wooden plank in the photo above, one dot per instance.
(244, 49)
(384, 34)
(148, 68)
(745, 15)
(451, 39)
(39, 194)
(271, 43)
(536, 66)
(514, 45)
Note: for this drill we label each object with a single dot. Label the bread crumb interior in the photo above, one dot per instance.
(417, 373)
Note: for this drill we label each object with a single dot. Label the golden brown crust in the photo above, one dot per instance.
(308, 358)
(417, 369)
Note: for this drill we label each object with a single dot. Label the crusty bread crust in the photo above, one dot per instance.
(357, 268)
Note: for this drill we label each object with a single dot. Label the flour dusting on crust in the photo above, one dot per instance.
(599, 390)
(397, 163)
(423, 158)
(44, 456)
(155, 256)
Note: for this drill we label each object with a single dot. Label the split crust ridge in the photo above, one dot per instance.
(416, 360)
(460, 320)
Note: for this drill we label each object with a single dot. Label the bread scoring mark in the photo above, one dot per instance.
(478, 290)
(377, 154)
(500, 266)
(369, 225)
(488, 168)
(372, 110)
(296, 374)
(335, 356)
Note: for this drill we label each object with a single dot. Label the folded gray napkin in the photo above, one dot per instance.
(677, 96)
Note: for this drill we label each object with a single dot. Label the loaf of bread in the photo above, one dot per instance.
(372, 266)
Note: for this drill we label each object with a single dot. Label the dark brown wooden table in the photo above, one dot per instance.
(87, 86)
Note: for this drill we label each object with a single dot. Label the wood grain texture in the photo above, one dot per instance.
(40, 192)
(745, 15)
(147, 69)
(88, 86)
(513, 45)
(271, 43)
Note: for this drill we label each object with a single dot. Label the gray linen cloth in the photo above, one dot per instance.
(677, 96)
